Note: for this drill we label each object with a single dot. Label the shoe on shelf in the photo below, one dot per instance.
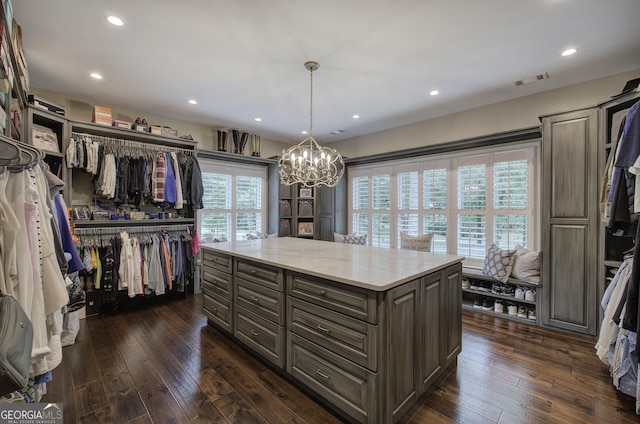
(477, 302)
(530, 295)
(138, 121)
(144, 121)
(532, 314)
(508, 290)
(473, 284)
(523, 312)
(465, 283)
(498, 306)
(485, 286)
(512, 309)
(487, 304)
(520, 293)
(496, 288)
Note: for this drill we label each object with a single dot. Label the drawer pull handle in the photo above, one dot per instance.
(323, 375)
(254, 333)
(323, 293)
(254, 272)
(255, 299)
(324, 330)
(214, 309)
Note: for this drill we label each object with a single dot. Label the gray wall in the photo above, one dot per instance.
(510, 115)
(82, 110)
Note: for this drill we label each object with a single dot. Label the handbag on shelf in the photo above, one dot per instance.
(16, 339)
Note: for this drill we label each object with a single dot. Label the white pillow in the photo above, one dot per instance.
(339, 238)
(498, 263)
(421, 242)
(526, 266)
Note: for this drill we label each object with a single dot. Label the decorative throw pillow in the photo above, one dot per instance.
(260, 235)
(526, 266)
(339, 238)
(353, 239)
(498, 263)
(421, 242)
(213, 239)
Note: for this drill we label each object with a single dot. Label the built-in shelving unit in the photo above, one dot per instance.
(469, 295)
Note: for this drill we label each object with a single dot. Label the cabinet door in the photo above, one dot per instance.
(403, 382)
(452, 323)
(326, 215)
(431, 330)
(570, 221)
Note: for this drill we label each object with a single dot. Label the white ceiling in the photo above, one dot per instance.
(378, 58)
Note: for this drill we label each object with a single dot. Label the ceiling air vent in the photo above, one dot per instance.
(531, 80)
(338, 132)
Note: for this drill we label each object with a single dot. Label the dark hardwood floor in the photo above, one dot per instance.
(164, 364)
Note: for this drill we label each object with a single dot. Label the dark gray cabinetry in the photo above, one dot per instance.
(217, 289)
(570, 220)
(370, 355)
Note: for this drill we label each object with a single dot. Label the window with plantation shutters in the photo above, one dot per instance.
(360, 205)
(472, 200)
(468, 201)
(408, 200)
(434, 205)
(234, 198)
(510, 202)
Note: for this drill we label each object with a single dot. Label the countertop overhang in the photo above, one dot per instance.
(372, 268)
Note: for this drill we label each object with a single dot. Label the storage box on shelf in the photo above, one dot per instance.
(12, 81)
(513, 292)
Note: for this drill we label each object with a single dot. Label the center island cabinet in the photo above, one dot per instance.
(369, 331)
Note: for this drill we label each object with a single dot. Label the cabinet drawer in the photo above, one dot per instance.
(352, 301)
(215, 281)
(343, 384)
(218, 311)
(349, 337)
(217, 260)
(260, 300)
(268, 276)
(261, 335)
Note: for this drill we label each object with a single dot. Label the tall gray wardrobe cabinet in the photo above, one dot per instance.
(580, 254)
(570, 220)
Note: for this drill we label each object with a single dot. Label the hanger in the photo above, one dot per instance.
(9, 153)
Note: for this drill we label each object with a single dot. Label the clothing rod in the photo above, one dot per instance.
(99, 231)
(132, 144)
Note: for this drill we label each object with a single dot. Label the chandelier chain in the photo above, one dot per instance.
(311, 103)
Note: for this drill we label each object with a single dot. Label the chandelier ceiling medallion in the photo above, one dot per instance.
(308, 163)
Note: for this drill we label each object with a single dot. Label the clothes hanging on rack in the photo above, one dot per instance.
(621, 188)
(29, 255)
(137, 261)
(135, 173)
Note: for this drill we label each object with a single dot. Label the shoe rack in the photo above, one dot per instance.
(484, 284)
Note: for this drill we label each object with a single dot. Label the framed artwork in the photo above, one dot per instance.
(44, 139)
(81, 212)
(305, 228)
(306, 192)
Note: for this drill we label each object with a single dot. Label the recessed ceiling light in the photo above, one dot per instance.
(305, 132)
(114, 20)
(258, 119)
(356, 116)
(95, 75)
(569, 52)
(434, 92)
(193, 102)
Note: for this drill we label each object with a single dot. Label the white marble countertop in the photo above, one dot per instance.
(373, 268)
